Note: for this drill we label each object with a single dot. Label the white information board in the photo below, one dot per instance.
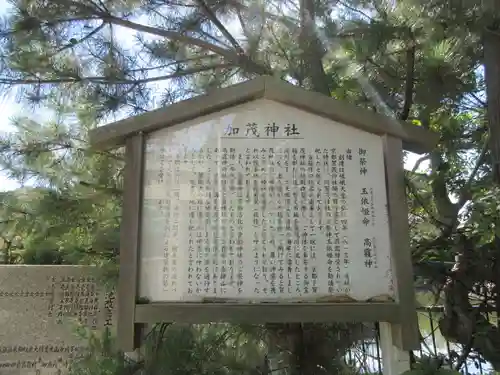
(264, 202)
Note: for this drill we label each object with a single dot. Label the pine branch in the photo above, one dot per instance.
(243, 61)
(108, 80)
(287, 21)
(16, 210)
(420, 161)
(199, 30)
(86, 37)
(291, 65)
(355, 10)
(43, 147)
(213, 38)
(101, 7)
(410, 82)
(112, 190)
(384, 71)
(447, 211)
(29, 25)
(213, 18)
(479, 100)
(96, 13)
(465, 194)
(171, 64)
(422, 204)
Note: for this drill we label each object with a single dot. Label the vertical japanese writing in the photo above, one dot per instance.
(238, 261)
(257, 222)
(367, 213)
(78, 299)
(365, 206)
(348, 154)
(171, 209)
(282, 214)
(346, 283)
(193, 266)
(362, 162)
(298, 211)
(263, 212)
(165, 178)
(337, 213)
(274, 195)
(52, 286)
(56, 297)
(109, 306)
(228, 251)
(368, 255)
(374, 239)
(284, 203)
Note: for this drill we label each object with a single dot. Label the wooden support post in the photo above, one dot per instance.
(129, 243)
(394, 360)
(405, 334)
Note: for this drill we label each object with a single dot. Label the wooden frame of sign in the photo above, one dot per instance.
(132, 313)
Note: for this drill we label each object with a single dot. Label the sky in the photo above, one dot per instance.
(9, 108)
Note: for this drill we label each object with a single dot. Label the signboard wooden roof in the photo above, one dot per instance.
(394, 133)
(415, 138)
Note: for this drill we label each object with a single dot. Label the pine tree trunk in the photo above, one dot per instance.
(307, 345)
(312, 51)
(316, 349)
(477, 264)
(491, 47)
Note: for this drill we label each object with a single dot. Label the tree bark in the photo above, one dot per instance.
(491, 47)
(480, 266)
(463, 323)
(311, 49)
(312, 351)
(316, 349)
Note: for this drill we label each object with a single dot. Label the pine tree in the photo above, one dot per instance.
(71, 204)
(415, 60)
(177, 350)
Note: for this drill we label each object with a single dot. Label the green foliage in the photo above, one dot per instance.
(71, 212)
(430, 366)
(416, 60)
(176, 350)
(482, 216)
(101, 358)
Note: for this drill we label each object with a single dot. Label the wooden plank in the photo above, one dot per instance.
(129, 242)
(115, 134)
(266, 312)
(415, 138)
(405, 334)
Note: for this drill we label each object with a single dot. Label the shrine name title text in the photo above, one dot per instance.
(252, 130)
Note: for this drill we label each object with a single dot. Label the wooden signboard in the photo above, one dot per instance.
(264, 202)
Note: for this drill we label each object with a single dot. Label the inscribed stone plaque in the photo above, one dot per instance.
(264, 202)
(40, 308)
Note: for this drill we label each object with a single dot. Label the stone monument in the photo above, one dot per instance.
(40, 309)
